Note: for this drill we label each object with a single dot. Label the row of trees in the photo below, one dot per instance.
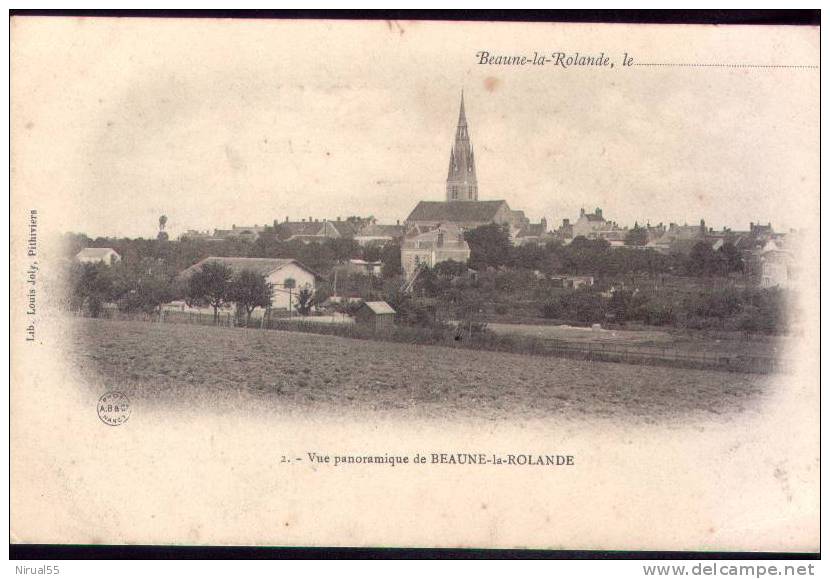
(214, 285)
(181, 254)
(490, 246)
(751, 310)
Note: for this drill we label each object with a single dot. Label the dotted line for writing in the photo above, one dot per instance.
(696, 65)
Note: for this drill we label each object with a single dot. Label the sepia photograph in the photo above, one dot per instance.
(414, 284)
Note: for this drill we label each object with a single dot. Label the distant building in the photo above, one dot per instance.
(443, 243)
(286, 276)
(532, 234)
(377, 315)
(378, 234)
(195, 235)
(105, 255)
(777, 266)
(243, 232)
(572, 281)
(680, 239)
(595, 226)
(314, 230)
(361, 266)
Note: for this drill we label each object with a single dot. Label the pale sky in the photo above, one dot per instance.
(214, 123)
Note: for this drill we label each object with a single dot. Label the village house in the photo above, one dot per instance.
(196, 235)
(241, 232)
(244, 232)
(443, 243)
(572, 281)
(315, 230)
(679, 238)
(532, 234)
(286, 276)
(365, 267)
(105, 255)
(777, 265)
(379, 234)
(595, 226)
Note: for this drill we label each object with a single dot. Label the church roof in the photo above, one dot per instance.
(456, 211)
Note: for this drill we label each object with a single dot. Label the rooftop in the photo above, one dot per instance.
(379, 307)
(456, 211)
(261, 265)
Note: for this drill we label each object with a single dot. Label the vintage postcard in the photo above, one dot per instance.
(414, 284)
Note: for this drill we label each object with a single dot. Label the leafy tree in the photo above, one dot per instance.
(730, 257)
(249, 290)
(391, 258)
(211, 285)
(489, 246)
(305, 299)
(636, 236)
(91, 285)
(702, 259)
(372, 252)
(148, 296)
(450, 268)
(530, 257)
(342, 249)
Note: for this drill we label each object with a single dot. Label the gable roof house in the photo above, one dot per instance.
(595, 226)
(310, 231)
(286, 276)
(106, 255)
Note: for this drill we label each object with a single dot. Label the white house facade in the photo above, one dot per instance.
(105, 255)
(287, 277)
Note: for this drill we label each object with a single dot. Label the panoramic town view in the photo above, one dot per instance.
(578, 314)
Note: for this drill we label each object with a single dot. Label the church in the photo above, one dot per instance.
(462, 207)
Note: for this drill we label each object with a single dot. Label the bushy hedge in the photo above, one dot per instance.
(753, 310)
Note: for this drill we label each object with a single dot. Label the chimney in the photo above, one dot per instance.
(598, 212)
(544, 223)
(566, 222)
(581, 211)
(398, 222)
(338, 218)
(286, 218)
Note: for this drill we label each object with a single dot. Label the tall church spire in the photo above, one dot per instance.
(461, 178)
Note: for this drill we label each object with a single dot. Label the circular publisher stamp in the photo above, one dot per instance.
(114, 408)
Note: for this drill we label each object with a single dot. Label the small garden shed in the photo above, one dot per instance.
(375, 314)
